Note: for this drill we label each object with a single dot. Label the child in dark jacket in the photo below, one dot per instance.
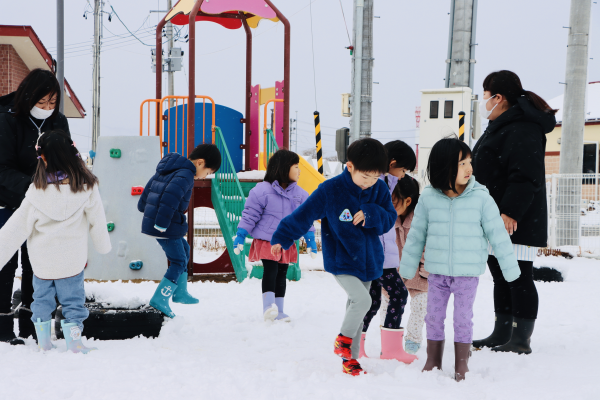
(401, 158)
(164, 202)
(270, 201)
(355, 208)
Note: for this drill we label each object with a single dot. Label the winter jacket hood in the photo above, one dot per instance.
(348, 249)
(58, 204)
(456, 232)
(509, 160)
(267, 204)
(166, 197)
(55, 222)
(18, 159)
(391, 253)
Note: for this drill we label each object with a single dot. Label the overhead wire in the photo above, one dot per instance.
(345, 23)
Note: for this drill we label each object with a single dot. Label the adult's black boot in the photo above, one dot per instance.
(26, 327)
(435, 353)
(520, 341)
(7, 333)
(503, 328)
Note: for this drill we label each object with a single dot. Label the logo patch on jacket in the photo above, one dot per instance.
(345, 216)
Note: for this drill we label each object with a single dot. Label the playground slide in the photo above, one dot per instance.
(310, 178)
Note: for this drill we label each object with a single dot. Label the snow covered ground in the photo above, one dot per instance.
(222, 349)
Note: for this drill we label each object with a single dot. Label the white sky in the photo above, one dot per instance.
(411, 39)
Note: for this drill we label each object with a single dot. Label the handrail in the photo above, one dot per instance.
(160, 128)
(263, 158)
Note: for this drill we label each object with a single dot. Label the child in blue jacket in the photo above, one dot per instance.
(456, 218)
(354, 208)
(164, 202)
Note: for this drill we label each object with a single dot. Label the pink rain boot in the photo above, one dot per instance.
(391, 346)
(361, 352)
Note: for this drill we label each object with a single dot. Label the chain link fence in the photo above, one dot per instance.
(574, 213)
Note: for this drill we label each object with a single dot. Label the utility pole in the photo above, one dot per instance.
(571, 152)
(573, 124)
(60, 51)
(98, 10)
(362, 70)
(460, 64)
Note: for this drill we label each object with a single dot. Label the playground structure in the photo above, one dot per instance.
(175, 121)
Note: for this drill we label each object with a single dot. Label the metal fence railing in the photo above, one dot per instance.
(574, 213)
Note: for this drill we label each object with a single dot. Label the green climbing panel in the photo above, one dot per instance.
(115, 153)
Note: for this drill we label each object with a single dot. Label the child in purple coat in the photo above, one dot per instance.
(268, 203)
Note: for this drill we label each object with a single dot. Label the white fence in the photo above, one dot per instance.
(574, 213)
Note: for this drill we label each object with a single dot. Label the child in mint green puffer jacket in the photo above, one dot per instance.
(454, 220)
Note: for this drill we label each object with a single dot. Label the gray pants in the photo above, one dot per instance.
(359, 303)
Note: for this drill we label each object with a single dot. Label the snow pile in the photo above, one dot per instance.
(222, 349)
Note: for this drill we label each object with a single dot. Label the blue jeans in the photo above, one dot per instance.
(178, 254)
(70, 293)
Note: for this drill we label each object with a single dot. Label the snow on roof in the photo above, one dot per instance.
(592, 103)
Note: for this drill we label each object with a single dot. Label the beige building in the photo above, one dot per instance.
(591, 138)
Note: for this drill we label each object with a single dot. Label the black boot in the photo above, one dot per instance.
(7, 333)
(503, 328)
(520, 340)
(26, 327)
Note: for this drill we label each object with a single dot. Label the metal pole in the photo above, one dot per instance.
(248, 92)
(60, 51)
(171, 73)
(460, 60)
(366, 94)
(98, 5)
(357, 70)
(473, 44)
(571, 153)
(449, 57)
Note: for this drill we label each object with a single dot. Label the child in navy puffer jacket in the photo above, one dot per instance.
(267, 204)
(354, 207)
(401, 158)
(164, 202)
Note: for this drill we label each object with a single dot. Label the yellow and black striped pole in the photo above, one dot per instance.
(318, 138)
(461, 126)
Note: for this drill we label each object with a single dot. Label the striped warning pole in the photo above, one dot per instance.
(461, 126)
(318, 138)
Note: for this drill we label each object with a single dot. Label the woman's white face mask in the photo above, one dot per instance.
(40, 113)
(483, 111)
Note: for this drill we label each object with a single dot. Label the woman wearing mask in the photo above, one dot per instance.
(509, 160)
(24, 116)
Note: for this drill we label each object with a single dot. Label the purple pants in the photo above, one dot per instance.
(464, 289)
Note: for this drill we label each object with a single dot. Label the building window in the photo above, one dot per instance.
(448, 106)
(589, 158)
(434, 108)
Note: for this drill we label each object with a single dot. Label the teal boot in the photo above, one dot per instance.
(43, 330)
(161, 297)
(181, 295)
(72, 334)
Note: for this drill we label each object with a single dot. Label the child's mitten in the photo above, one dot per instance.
(311, 244)
(239, 240)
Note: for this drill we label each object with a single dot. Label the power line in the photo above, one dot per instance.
(343, 16)
(132, 34)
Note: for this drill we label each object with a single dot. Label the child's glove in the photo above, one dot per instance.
(158, 228)
(311, 244)
(239, 240)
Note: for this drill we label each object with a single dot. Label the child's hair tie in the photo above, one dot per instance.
(37, 147)
(73, 144)
(39, 157)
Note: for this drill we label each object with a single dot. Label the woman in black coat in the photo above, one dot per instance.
(509, 160)
(24, 116)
